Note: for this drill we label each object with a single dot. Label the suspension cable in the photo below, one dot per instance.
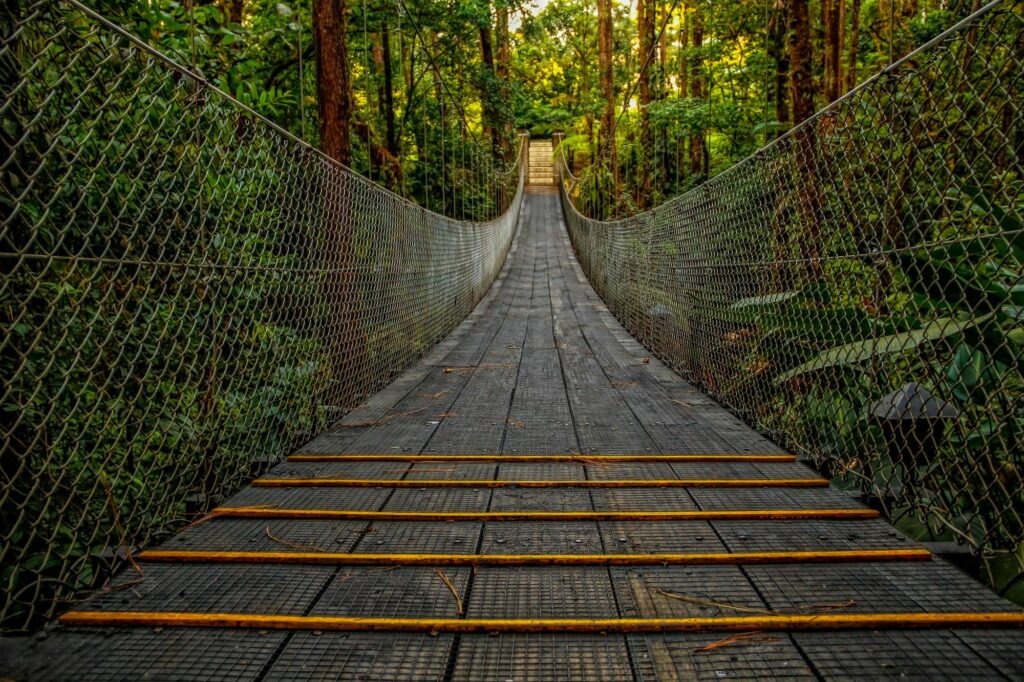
(434, 66)
(603, 149)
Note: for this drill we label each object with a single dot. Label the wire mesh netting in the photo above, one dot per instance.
(855, 288)
(187, 293)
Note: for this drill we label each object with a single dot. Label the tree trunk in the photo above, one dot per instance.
(826, 53)
(408, 68)
(684, 62)
(377, 52)
(389, 92)
(831, 44)
(841, 47)
(604, 50)
(645, 57)
(777, 51)
(490, 125)
(662, 48)
(801, 83)
(851, 58)
(334, 100)
(662, 30)
(341, 334)
(504, 62)
(697, 155)
(591, 148)
(236, 11)
(684, 88)
(808, 192)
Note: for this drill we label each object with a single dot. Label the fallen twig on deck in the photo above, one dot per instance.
(219, 512)
(353, 574)
(122, 538)
(432, 396)
(469, 370)
(293, 545)
(451, 586)
(124, 586)
(746, 609)
(752, 637)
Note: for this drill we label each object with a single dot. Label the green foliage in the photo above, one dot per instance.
(173, 325)
(878, 247)
(541, 119)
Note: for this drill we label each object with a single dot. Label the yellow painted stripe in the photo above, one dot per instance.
(826, 622)
(541, 458)
(685, 515)
(695, 559)
(580, 483)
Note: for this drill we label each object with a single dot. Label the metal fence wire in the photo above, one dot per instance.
(187, 293)
(855, 288)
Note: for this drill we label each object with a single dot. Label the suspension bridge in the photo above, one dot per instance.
(276, 422)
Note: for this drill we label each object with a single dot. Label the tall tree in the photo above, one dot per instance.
(502, 71)
(832, 48)
(384, 64)
(235, 11)
(604, 53)
(698, 153)
(383, 158)
(808, 191)
(684, 86)
(851, 58)
(662, 29)
(801, 78)
(662, 47)
(684, 64)
(645, 14)
(341, 329)
(490, 124)
(841, 40)
(334, 99)
(780, 57)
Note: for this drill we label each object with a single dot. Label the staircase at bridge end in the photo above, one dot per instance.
(542, 166)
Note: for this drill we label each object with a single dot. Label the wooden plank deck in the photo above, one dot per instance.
(540, 368)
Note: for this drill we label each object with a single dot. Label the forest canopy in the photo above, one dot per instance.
(411, 93)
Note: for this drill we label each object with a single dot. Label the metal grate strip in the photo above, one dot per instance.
(829, 622)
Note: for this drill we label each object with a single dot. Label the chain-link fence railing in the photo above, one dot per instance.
(187, 292)
(855, 289)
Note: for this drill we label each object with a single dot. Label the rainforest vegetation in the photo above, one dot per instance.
(672, 91)
(653, 98)
(180, 307)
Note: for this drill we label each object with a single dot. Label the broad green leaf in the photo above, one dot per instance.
(953, 285)
(766, 299)
(965, 371)
(826, 325)
(859, 351)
